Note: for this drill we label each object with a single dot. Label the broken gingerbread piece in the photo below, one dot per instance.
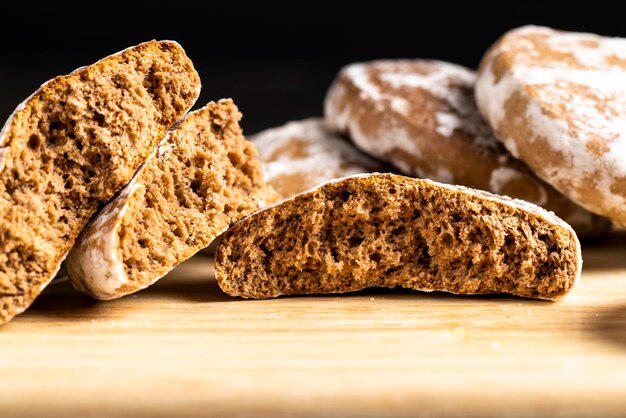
(385, 230)
(203, 177)
(71, 146)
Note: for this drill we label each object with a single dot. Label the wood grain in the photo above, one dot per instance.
(182, 348)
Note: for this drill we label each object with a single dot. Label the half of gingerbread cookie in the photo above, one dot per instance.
(420, 116)
(70, 146)
(203, 177)
(385, 230)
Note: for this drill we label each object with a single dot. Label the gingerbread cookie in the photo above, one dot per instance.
(203, 177)
(385, 230)
(420, 116)
(70, 146)
(302, 154)
(557, 100)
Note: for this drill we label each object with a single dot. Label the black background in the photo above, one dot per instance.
(275, 59)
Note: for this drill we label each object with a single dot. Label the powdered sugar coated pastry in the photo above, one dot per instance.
(302, 154)
(420, 116)
(557, 100)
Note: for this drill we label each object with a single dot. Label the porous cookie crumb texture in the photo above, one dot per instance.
(420, 116)
(384, 230)
(202, 178)
(70, 146)
(302, 154)
(557, 100)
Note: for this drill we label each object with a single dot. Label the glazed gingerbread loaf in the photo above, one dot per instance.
(70, 146)
(420, 116)
(386, 230)
(202, 178)
(302, 154)
(557, 100)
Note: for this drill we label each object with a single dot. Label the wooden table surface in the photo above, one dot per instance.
(182, 348)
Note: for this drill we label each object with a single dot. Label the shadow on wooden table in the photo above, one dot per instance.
(199, 291)
(192, 281)
(610, 325)
(606, 253)
(59, 300)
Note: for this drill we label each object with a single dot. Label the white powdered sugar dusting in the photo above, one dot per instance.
(97, 264)
(444, 175)
(400, 105)
(491, 100)
(589, 49)
(360, 76)
(501, 177)
(447, 123)
(335, 115)
(165, 146)
(320, 153)
(389, 138)
(443, 80)
(3, 152)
